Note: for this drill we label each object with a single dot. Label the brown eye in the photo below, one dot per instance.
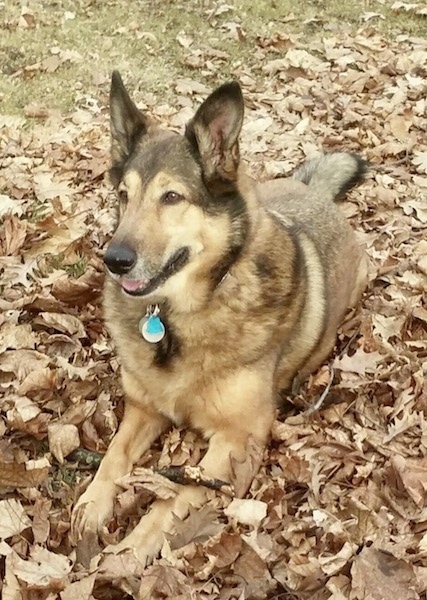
(171, 198)
(123, 196)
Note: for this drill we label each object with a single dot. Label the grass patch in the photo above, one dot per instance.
(75, 269)
(67, 50)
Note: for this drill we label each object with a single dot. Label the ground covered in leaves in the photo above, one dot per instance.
(339, 508)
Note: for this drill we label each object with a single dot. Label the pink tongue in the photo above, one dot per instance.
(131, 285)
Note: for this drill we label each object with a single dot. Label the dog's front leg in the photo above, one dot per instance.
(228, 459)
(140, 426)
(241, 429)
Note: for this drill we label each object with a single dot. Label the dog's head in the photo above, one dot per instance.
(181, 216)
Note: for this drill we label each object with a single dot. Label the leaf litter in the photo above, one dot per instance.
(339, 507)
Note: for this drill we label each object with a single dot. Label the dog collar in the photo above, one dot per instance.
(151, 326)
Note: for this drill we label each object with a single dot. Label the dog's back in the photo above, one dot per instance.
(306, 204)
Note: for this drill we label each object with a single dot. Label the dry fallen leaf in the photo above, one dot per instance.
(199, 526)
(13, 518)
(413, 475)
(23, 475)
(63, 439)
(248, 512)
(360, 362)
(380, 576)
(42, 570)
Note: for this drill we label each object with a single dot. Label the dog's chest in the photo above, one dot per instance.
(173, 389)
(177, 374)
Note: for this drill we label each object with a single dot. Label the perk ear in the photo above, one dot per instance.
(127, 123)
(214, 132)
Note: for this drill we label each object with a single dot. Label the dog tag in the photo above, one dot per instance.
(152, 329)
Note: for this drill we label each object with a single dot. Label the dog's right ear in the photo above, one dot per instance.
(127, 123)
(214, 132)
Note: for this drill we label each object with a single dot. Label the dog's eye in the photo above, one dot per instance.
(171, 198)
(123, 196)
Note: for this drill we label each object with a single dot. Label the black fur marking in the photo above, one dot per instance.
(235, 207)
(223, 266)
(265, 267)
(191, 137)
(118, 168)
(362, 169)
(271, 275)
(169, 347)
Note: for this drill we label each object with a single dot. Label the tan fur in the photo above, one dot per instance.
(241, 345)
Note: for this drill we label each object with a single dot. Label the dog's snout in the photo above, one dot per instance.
(120, 258)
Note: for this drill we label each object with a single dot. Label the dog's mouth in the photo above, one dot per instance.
(142, 287)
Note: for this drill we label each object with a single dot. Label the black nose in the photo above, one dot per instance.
(120, 258)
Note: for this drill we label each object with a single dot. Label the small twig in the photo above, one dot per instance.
(181, 475)
(311, 409)
(194, 476)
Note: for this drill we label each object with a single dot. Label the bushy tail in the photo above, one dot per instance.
(332, 175)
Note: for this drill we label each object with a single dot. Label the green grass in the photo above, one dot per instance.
(75, 269)
(140, 38)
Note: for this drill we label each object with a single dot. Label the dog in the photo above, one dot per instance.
(219, 292)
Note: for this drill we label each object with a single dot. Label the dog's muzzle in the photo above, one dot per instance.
(120, 258)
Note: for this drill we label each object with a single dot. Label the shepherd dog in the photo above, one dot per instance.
(220, 292)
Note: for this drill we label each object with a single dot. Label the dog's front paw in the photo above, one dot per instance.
(131, 550)
(143, 544)
(92, 511)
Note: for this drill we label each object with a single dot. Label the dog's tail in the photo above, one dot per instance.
(332, 175)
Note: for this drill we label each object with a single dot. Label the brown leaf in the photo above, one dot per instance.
(79, 291)
(162, 582)
(11, 588)
(51, 63)
(400, 127)
(19, 475)
(253, 570)
(63, 439)
(15, 232)
(23, 408)
(413, 475)
(331, 565)
(151, 481)
(41, 524)
(199, 526)
(378, 575)
(247, 511)
(226, 549)
(62, 322)
(35, 111)
(360, 362)
(120, 566)
(43, 570)
(40, 380)
(22, 362)
(16, 336)
(81, 590)
(27, 19)
(13, 518)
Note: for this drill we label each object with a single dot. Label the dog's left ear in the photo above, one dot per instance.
(127, 122)
(214, 132)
